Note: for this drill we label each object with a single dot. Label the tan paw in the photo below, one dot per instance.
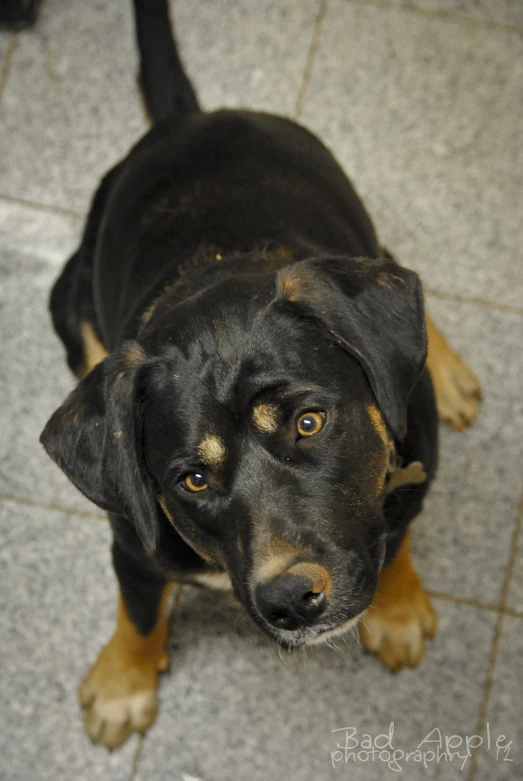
(457, 389)
(118, 696)
(458, 392)
(398, 623)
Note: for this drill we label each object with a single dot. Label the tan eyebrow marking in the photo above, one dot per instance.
(211, 450)
(265, 417)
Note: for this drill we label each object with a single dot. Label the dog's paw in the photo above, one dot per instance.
(119, 697)
(458, 392)
(396, 627)
(457, 389)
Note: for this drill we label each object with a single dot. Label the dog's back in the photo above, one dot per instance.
(201, 186)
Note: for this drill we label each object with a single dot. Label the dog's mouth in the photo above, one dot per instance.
(313, 635)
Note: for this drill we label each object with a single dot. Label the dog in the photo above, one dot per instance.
(259, 389)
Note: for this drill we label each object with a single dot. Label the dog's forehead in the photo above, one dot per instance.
(227, 357)
(230, 331)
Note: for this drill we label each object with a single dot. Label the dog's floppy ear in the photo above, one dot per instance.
(373, 308)
(95, 437)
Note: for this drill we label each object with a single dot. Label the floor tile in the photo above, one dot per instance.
(35, 379)
(503, 760)
(246, 54)
(81, 57)
(5, 37)
(462, 539)
(412, 108)
(233, 708)
(58, 596)
(501, 12)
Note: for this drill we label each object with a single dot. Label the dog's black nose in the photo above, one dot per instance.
(291, 601)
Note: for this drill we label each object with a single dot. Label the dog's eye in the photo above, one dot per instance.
(310, 423)
(194, 482)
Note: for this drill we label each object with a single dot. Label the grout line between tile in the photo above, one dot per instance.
(463, 601)
(311, 56)
(171, 618)
(52, 507)
(487, 687)
(517, 310)
(45, 207)
(6, 65)
(449, 16)
(507, 611)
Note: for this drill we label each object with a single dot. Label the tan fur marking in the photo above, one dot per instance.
(148, 313)
(321, 579)
(457, 389)
(411, 474)
(265, 417)
(212, 450)
(294, 283)
(379, 466)
(216, 580)
(289, 284)
(119, 692)
(272, 566)
(94, 350)
(378, 423)
(205, 556)
(164, 508)
(401, 616)
(132, 355)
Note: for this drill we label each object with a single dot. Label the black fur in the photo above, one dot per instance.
(264, 281)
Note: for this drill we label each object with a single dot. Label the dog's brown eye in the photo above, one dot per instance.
(310, 423)
(194, 482)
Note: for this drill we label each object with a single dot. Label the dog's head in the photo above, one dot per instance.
(257, 415)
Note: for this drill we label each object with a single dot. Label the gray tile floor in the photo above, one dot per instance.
(422, 103)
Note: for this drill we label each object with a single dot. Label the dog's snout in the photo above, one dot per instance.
(295, 598)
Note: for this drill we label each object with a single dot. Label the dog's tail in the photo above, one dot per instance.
(165, 87)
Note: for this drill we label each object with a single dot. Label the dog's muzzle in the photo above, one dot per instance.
(294, 599)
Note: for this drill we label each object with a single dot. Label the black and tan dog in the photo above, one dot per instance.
(256, 402)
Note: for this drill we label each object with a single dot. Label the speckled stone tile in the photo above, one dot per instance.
(34, 379)
(71, 109)
(5, 37)
(233, 708)
(425, 116)
(462, 539)
(502, 758)
(515, 596)
(509, 12)
(246, 54)
(58, 597)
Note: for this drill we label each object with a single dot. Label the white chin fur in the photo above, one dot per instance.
(338, 630)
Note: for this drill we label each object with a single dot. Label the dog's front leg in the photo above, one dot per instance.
(119, 692)
(401, 617)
